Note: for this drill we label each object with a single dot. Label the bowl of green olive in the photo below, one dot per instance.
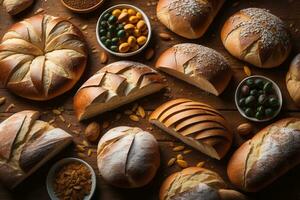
(123, 30)
(258, 98)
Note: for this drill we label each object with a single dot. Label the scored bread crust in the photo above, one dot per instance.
(258, 37)
(188, 18)
(293, 80)
(195, 183)
(116, 84)
(42, 57)
(196, 124)
(27, 143)
(269, 154)
(198, 65)
(128, 157)
(14, 7)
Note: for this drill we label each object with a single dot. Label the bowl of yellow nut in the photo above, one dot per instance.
(123, 30)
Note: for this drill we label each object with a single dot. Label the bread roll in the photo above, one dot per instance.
(196, 124)
(42, 57)
(188, 18)
(128, 157)
(198, 65)
(293, 80)
(258, 37)
(196, 183)
(26, 144)
(268, 155)
(115, 85)
(14, 7)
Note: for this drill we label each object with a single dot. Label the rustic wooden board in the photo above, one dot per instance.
(34, 188)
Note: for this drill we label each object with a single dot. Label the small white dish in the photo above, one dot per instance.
(121, 6)
(277, 91)
(57, 166)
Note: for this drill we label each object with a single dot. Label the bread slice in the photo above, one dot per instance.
(115, 85)
(196, 124)
(198, 65)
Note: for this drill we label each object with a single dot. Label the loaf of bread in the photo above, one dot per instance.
(258, 37)
(196, 124)
(293, 80)
(196, 183)
(26, 144)
(198, 65)
(42, 57)
(14, 7)
(268, 155)
(115, 85)
(188, 18)
(128, 157)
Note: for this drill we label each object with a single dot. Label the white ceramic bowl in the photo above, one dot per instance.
(277, 91)
(146, 19)
(57, 166)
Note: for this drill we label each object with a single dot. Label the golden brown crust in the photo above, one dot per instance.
(114, 85)
(42, 57)
(14, 7)
(293, 80)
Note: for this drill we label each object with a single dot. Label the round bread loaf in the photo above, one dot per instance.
(258, 37)
(128, 157)
(42, 57)
(196, 183)
(293, 80)
(188, 18)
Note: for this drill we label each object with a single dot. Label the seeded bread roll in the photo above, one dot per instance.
(128, 157)
(14, 7)
(196, 124)
(268, 155)
(188, 18)
(198, 65)
(293, 80)
(258, 37)
(196, 183)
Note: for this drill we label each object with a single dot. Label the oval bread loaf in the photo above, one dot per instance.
(14, 7)
(115, 85)
(268, 155)
(258, 37)
(128, 157)
(26, 144)
(188, 18)
(198, 65)
(293, 80)
(42, 57)
(196, 183)
(196, 124)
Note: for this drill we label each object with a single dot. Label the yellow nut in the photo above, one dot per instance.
(133, 19)
(123, 17)
(131, 41)
(129, 27)
(141, 40)
(139, 15)
(116, 12)
(141, 25)
(124, 10)
(134, 48)
(131, 12)
(124, 47)
(137, 33)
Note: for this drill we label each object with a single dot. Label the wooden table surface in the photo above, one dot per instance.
(34, 188)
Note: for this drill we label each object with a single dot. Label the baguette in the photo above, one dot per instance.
(115, 85)
(196, 124)
(268, 155)
(198, 65)
(26, 144)
(293, 80)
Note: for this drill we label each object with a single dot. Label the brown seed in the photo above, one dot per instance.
(244, 129)
(178, 148)
(179, 157)
(165, 36)
(200, 164)
(187, 151)
(134, 118)
(171, 162)
(247, 71)
(11, 106)
(141, 111)
(105, 124)
(52, 121)
(182, 163)
(61, 118)
(149, 54)
(90, 152)
(56, 111)
(103, 57)
(84, 27)
(92, 131)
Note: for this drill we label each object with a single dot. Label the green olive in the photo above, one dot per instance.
(259, 83)
(262, 99)
(120, 27)
(250, 101)
(112, 19)
(109, 35)
(245, 90)
(102, 32)
(112, 28)
(108, 43)
(242, 102)
(268, 87)
(260, 109)
(114, 48)
(121, 34)
(115, 41)
(250, 82)
(103, 39)
(103, 24)
(254, 92)
(249, 112)
(269, 112)
(259, 115)
(273, 102)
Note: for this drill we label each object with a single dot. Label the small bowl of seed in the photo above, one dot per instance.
(82, 6)
(123, 30)
(71, 178)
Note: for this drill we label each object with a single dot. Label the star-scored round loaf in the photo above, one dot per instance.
(42, 57)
